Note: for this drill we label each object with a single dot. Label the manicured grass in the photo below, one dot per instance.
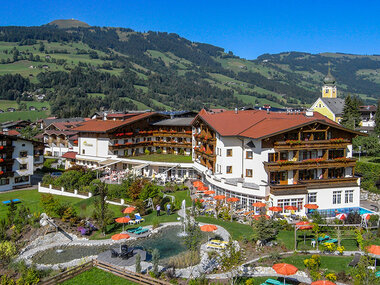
(31, 199)
(237, 231)
(98, 277)
(24, 115)
(165, 158)
(331, 263)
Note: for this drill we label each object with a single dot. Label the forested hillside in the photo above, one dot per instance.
(83, 69)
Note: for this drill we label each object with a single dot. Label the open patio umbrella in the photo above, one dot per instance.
(341, 216)
(256, 217)
(128, 210)
(304, 226)
(233, 199)
(323, 282)
(311, 206)
(119, 237)
(275, 209)
(209, 192)
(199, 200)
(248, 213)
(291, 208)
(203, 188)
(259, 205)
(208, 228)
(197, 183)
(375, 251)
(122, 220)
(285, 269)
(219, 197)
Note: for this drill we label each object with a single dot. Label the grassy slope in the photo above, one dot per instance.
(99, 277)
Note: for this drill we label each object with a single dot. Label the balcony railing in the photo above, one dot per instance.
(309, 164)
(209, 154)
(311, 144)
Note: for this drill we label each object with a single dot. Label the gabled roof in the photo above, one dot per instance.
(180, 122)
(336, 105)
(101, 126)
(70, 155)
(259, 124)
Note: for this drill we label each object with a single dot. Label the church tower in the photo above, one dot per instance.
(329, 87)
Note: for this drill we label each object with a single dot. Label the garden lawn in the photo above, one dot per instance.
(236, 230)
(182, 195)
(31, 199)
(331, 263)
(164, 158)
(98, 277)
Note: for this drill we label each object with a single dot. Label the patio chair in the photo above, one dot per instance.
(141, 231)
(331, 241)
(131, 222)
(356, 260)
(271, 281)
(114, 253)
(133, 230)
(139, 218)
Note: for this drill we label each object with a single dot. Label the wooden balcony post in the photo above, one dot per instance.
(295, 176)
(326, 154)
(325, 172)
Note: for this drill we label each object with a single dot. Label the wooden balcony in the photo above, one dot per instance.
(210, 156)
(6, 161)
(6, 149)
(130, 145)
(308, 164)
(302, 186)
(6, 174)
(317, 144)
(186, 134)
(172, 144)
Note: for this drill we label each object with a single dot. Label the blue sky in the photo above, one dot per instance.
(248, 28)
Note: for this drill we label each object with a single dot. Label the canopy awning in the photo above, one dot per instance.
(109, 162)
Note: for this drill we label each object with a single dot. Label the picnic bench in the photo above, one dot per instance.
(8, 202)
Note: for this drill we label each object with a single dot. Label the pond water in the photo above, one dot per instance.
(166, 241)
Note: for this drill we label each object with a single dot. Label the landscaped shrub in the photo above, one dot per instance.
(7, 251)
(49, 204)
(185, 259)
(313, 263)
(353, 218)
(331, 277)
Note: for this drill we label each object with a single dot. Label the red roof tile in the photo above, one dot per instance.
(100, 126)
(70, 154)
(258, 123)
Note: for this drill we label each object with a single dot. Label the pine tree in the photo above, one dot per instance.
(377, 119)
(347, 113)
(356, 103)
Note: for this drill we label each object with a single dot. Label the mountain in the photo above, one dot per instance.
(82, 69)
(68, 23)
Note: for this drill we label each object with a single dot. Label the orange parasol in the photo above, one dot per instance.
(209, 192)
(202, 188)
(128, 210)
(258, 205)
(122, 220)
(197, 183)
(256, 217)
(291, 208)
(374, 249)
(248, 213)
(285, 269)
(199, 200)
(275, 209)
(120, 236)
(311, 206)
(219, 197)
(323, 282)
(208, 228)
(304, 225)
(232, 199)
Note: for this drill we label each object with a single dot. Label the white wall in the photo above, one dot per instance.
(93, 146)
(325, 198)
(21, 145)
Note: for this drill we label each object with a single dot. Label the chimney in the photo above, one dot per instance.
(309, 113)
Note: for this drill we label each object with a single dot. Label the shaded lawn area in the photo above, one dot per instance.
(99, 277)
(236, 230)
(182, 195)
(331, 263)
(164, 158)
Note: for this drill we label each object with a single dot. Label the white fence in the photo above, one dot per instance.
(62, 192)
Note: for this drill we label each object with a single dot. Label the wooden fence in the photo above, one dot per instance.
(123, 273)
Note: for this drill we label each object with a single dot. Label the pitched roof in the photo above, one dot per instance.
(70, 154)
(180, 122)
(336, 105)
(259, 123)
(101, 126)
(369, 108)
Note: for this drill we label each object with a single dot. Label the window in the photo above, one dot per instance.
(229, 169)
(249, 154)
(23, 153)
(23, 166)
(83, 151)
(22, 179)
(296, 202)
(337, 197)
(3, 143)
(349, 196)
(4, 181)
(115, 142)
(229, 152)
(312, 198)
(248, 172)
